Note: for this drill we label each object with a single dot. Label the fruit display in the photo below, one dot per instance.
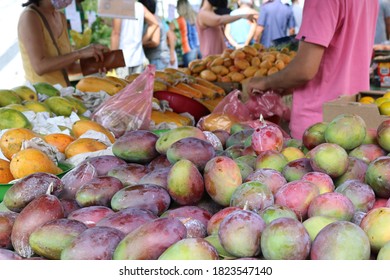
(240, 64)
(250, 192)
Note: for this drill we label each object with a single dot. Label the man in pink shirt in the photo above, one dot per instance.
(333, 58)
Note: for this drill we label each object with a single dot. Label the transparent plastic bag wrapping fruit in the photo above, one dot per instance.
(267, 104)
(130, 108)
(229, 111)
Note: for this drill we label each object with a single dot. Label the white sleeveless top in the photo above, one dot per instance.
(131, 38)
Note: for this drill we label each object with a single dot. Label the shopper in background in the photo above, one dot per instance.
(383, 22)
(276, 20)
(45, 49)
(241, 32)
(128, 35)
(187, 33)
(210, 26)
(157, 55)
(171, 41)
(333, 59)
(297, 11)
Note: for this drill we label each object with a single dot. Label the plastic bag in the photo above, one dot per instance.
(267, 104)
(129, 109)
(228, 112)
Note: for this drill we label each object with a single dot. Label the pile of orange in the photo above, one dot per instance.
(382, 102)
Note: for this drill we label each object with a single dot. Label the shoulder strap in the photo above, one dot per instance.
(44, 20)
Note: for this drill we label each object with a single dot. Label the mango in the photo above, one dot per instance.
(8, 96)
(189, 211)
(138, 146)
(60, 106)
(271, 159)
(254, 196)
(272, 178)
(129, 174)
(11, 140)
(7, 220)
(185, 183)
(150, 240)
(346, 130)
(41, 210)
(240, 233)
(104, 163)
(216, 219)
(97, 243)
(90, 215)
(315, 224)
(376, 225)
(190, 249)
(296, 169)
(239, 137)
(78, 104)
(275, 211)
(332, 204)
(75, 178)
(82, 126)
(31, 160)
(98, 191)
(51, 238)
(8, 254)
(221, 176)
(23, 191)
(356, 170)
(147, 196)
(46, 89)
(341, 240)
(314, 135)
(329, 158)
(360, 193)
(127, 219)
(285, 239)
(37, 106)
(216, 243)
(196, 150)
(168, 138)
(18, 107)
(25, 93)
(83, 145)
(157, 176)
(11, 118)
(297, 195)
(378, 177)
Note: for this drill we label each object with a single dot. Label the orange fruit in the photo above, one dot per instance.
(59, 140)
(381, 100)
(11, 140)
(83, 145)
(29, 161)
(5, 172)
(367, 100)
(384, 108)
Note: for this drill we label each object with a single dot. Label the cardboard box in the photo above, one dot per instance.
(348, 104)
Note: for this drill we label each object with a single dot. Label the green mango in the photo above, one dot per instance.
(8, 96)
(11, 118)
(46, 89)
(60, 106)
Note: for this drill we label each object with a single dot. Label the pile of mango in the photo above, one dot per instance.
(15, 101)
(240, 64)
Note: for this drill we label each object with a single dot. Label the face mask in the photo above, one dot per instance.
(60, 4)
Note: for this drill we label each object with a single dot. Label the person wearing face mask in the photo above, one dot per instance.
(210, 26)
(44, 43)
